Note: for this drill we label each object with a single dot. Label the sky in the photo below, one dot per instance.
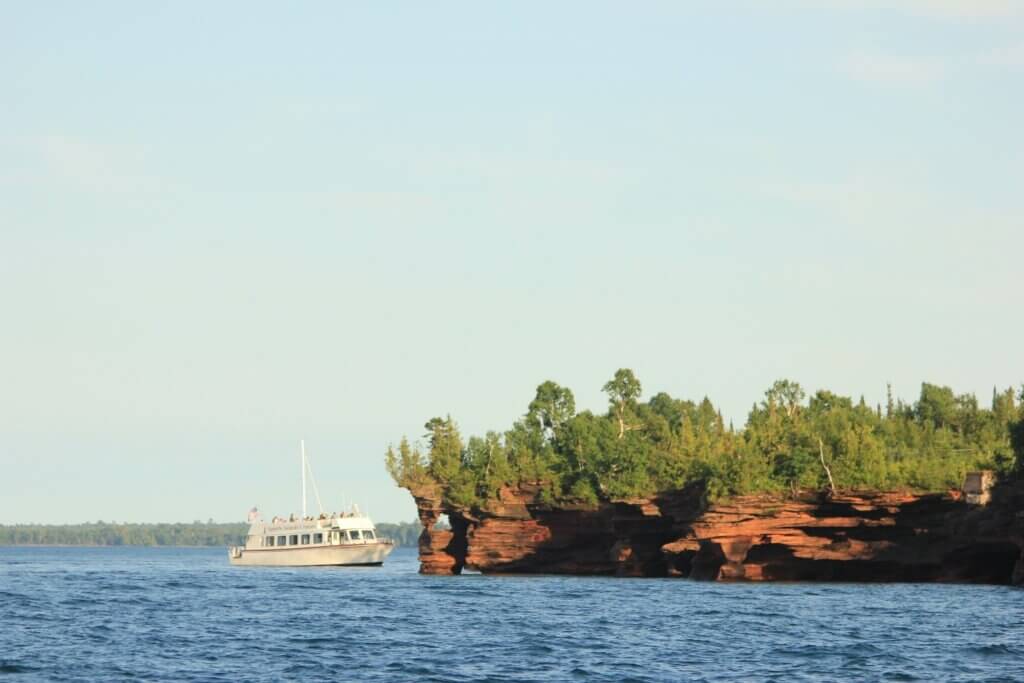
(226, 227)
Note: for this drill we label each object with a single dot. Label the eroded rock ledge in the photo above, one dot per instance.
(887, 536)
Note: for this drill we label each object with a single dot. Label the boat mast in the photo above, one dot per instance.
(302, 448)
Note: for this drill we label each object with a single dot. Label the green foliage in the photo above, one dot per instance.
(407, 466)
(638, 449)
(624, 387)
(937, 405)
(623, 390)
(552, 406)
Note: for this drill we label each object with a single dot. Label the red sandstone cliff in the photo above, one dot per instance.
(847, 537)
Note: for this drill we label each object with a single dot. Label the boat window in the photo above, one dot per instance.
(293, 539)
(305, 539)
(367, 534)
(269, 541)
(281, 540)
(318, 538)
(354, 534)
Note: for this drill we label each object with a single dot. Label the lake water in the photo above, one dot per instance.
(183, 614)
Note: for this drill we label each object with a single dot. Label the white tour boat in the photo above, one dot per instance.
(348, 538)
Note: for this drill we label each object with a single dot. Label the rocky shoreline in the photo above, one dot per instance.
(811, 536)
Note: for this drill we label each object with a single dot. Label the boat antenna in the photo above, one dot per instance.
(302, 449)
(316, 491)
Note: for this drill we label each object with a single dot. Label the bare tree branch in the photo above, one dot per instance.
(821, 454)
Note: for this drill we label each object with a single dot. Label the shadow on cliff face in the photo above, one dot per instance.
(955, 542)
(612, 540)
(521, 535)
(859, 538)
(990, 563)
(986, 562)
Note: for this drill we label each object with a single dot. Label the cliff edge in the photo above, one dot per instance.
(851, 536)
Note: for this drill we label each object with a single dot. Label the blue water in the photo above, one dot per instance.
(183, 614)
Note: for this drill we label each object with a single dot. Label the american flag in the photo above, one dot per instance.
(253, 514)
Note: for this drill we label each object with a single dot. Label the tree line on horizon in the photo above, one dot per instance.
(791, 442)
(172, 534)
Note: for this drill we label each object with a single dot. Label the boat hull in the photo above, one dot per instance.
(368, 554)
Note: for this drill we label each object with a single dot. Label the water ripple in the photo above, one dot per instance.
(73, 614)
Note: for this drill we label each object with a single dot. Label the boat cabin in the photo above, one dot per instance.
(326, 530)
(329, 537)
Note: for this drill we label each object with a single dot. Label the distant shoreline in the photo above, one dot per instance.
(157, 534)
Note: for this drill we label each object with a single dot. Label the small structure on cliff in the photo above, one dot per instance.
(978, 487)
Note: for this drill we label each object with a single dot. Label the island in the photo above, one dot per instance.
(820, 488)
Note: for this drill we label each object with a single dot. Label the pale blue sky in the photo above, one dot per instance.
(225, 228)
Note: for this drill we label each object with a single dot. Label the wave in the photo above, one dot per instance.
(7, 667)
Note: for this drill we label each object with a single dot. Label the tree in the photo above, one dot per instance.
(406, 466)
(623, 390)
(833, 442)
(552, 406)
(824, 401)
(669, 408)
(445, 457)
(937, 405)
(1003, 408)
(433, 427)
(787, 394)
